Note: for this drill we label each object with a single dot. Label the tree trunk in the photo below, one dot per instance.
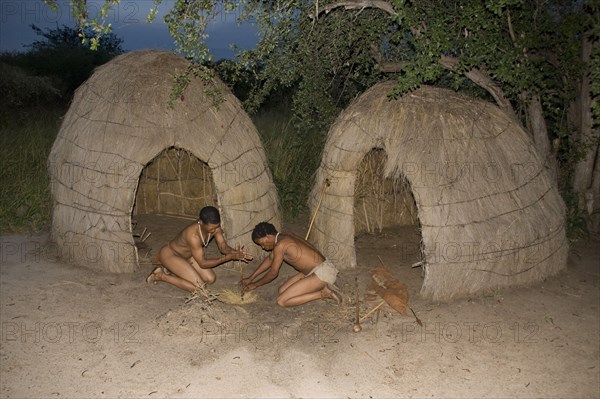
(593, 196)
(538, 129)
(584, 170)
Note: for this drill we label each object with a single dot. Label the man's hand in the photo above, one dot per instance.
(240, 255)
(247, 285)
(244, 282)
(248, 288)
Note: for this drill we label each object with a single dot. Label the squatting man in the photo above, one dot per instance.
(316, 276)
(183, 261)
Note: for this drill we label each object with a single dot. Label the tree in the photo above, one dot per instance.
(524, 55)
(61, 54)
(527, 56)
(586, 177)
(68, 37)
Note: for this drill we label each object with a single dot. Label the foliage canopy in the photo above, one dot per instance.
(326, 53)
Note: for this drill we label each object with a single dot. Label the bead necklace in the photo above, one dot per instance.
(204, 243)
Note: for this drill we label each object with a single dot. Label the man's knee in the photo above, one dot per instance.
(281, 300)
(210, 279)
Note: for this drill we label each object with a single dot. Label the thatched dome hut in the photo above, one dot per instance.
(488, 212)
(118, 124)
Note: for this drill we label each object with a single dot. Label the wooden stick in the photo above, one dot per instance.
(366, 217)
(419, 322)
(372, 310)
(357, 326)
(357, 301)
(380, 216)
(149, 234)
(241, 265)
(325, 185)
(377, 322)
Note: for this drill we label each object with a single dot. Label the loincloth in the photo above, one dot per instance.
(326, 272)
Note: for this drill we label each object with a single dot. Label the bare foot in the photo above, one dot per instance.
(327, 293)
(155, 276)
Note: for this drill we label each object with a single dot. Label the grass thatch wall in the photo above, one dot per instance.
(175, 183)
(490, 216)
(117, 124)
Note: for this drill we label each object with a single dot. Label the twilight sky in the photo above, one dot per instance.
(128, 22)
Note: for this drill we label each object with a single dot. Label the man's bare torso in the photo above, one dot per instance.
(299, 254)
(186, 239)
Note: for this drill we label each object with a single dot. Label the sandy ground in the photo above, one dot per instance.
(73, 332)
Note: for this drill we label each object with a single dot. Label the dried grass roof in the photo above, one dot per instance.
(489, 214)
(117, 123)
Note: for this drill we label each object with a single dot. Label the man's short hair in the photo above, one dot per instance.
(263, 229)
(210, 215)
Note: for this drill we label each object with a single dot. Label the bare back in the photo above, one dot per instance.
(298, 253)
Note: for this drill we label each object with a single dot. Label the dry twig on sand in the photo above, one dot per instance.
(202, 294)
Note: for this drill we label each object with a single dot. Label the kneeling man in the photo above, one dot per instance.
(316, 276)
(184, 263)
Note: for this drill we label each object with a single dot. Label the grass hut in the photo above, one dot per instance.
(488, 213)
(121, 151)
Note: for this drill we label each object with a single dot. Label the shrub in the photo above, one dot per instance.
(19, 89)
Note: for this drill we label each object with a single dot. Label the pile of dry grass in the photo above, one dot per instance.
(232, 297)
(490, 216)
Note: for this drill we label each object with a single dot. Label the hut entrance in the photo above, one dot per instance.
(386, 224)
(381, 202)
(172, 189)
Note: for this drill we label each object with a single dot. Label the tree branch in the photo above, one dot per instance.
(476, 75)
(385, 66)
(511, 31)
(482, 79)
(354, 5)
